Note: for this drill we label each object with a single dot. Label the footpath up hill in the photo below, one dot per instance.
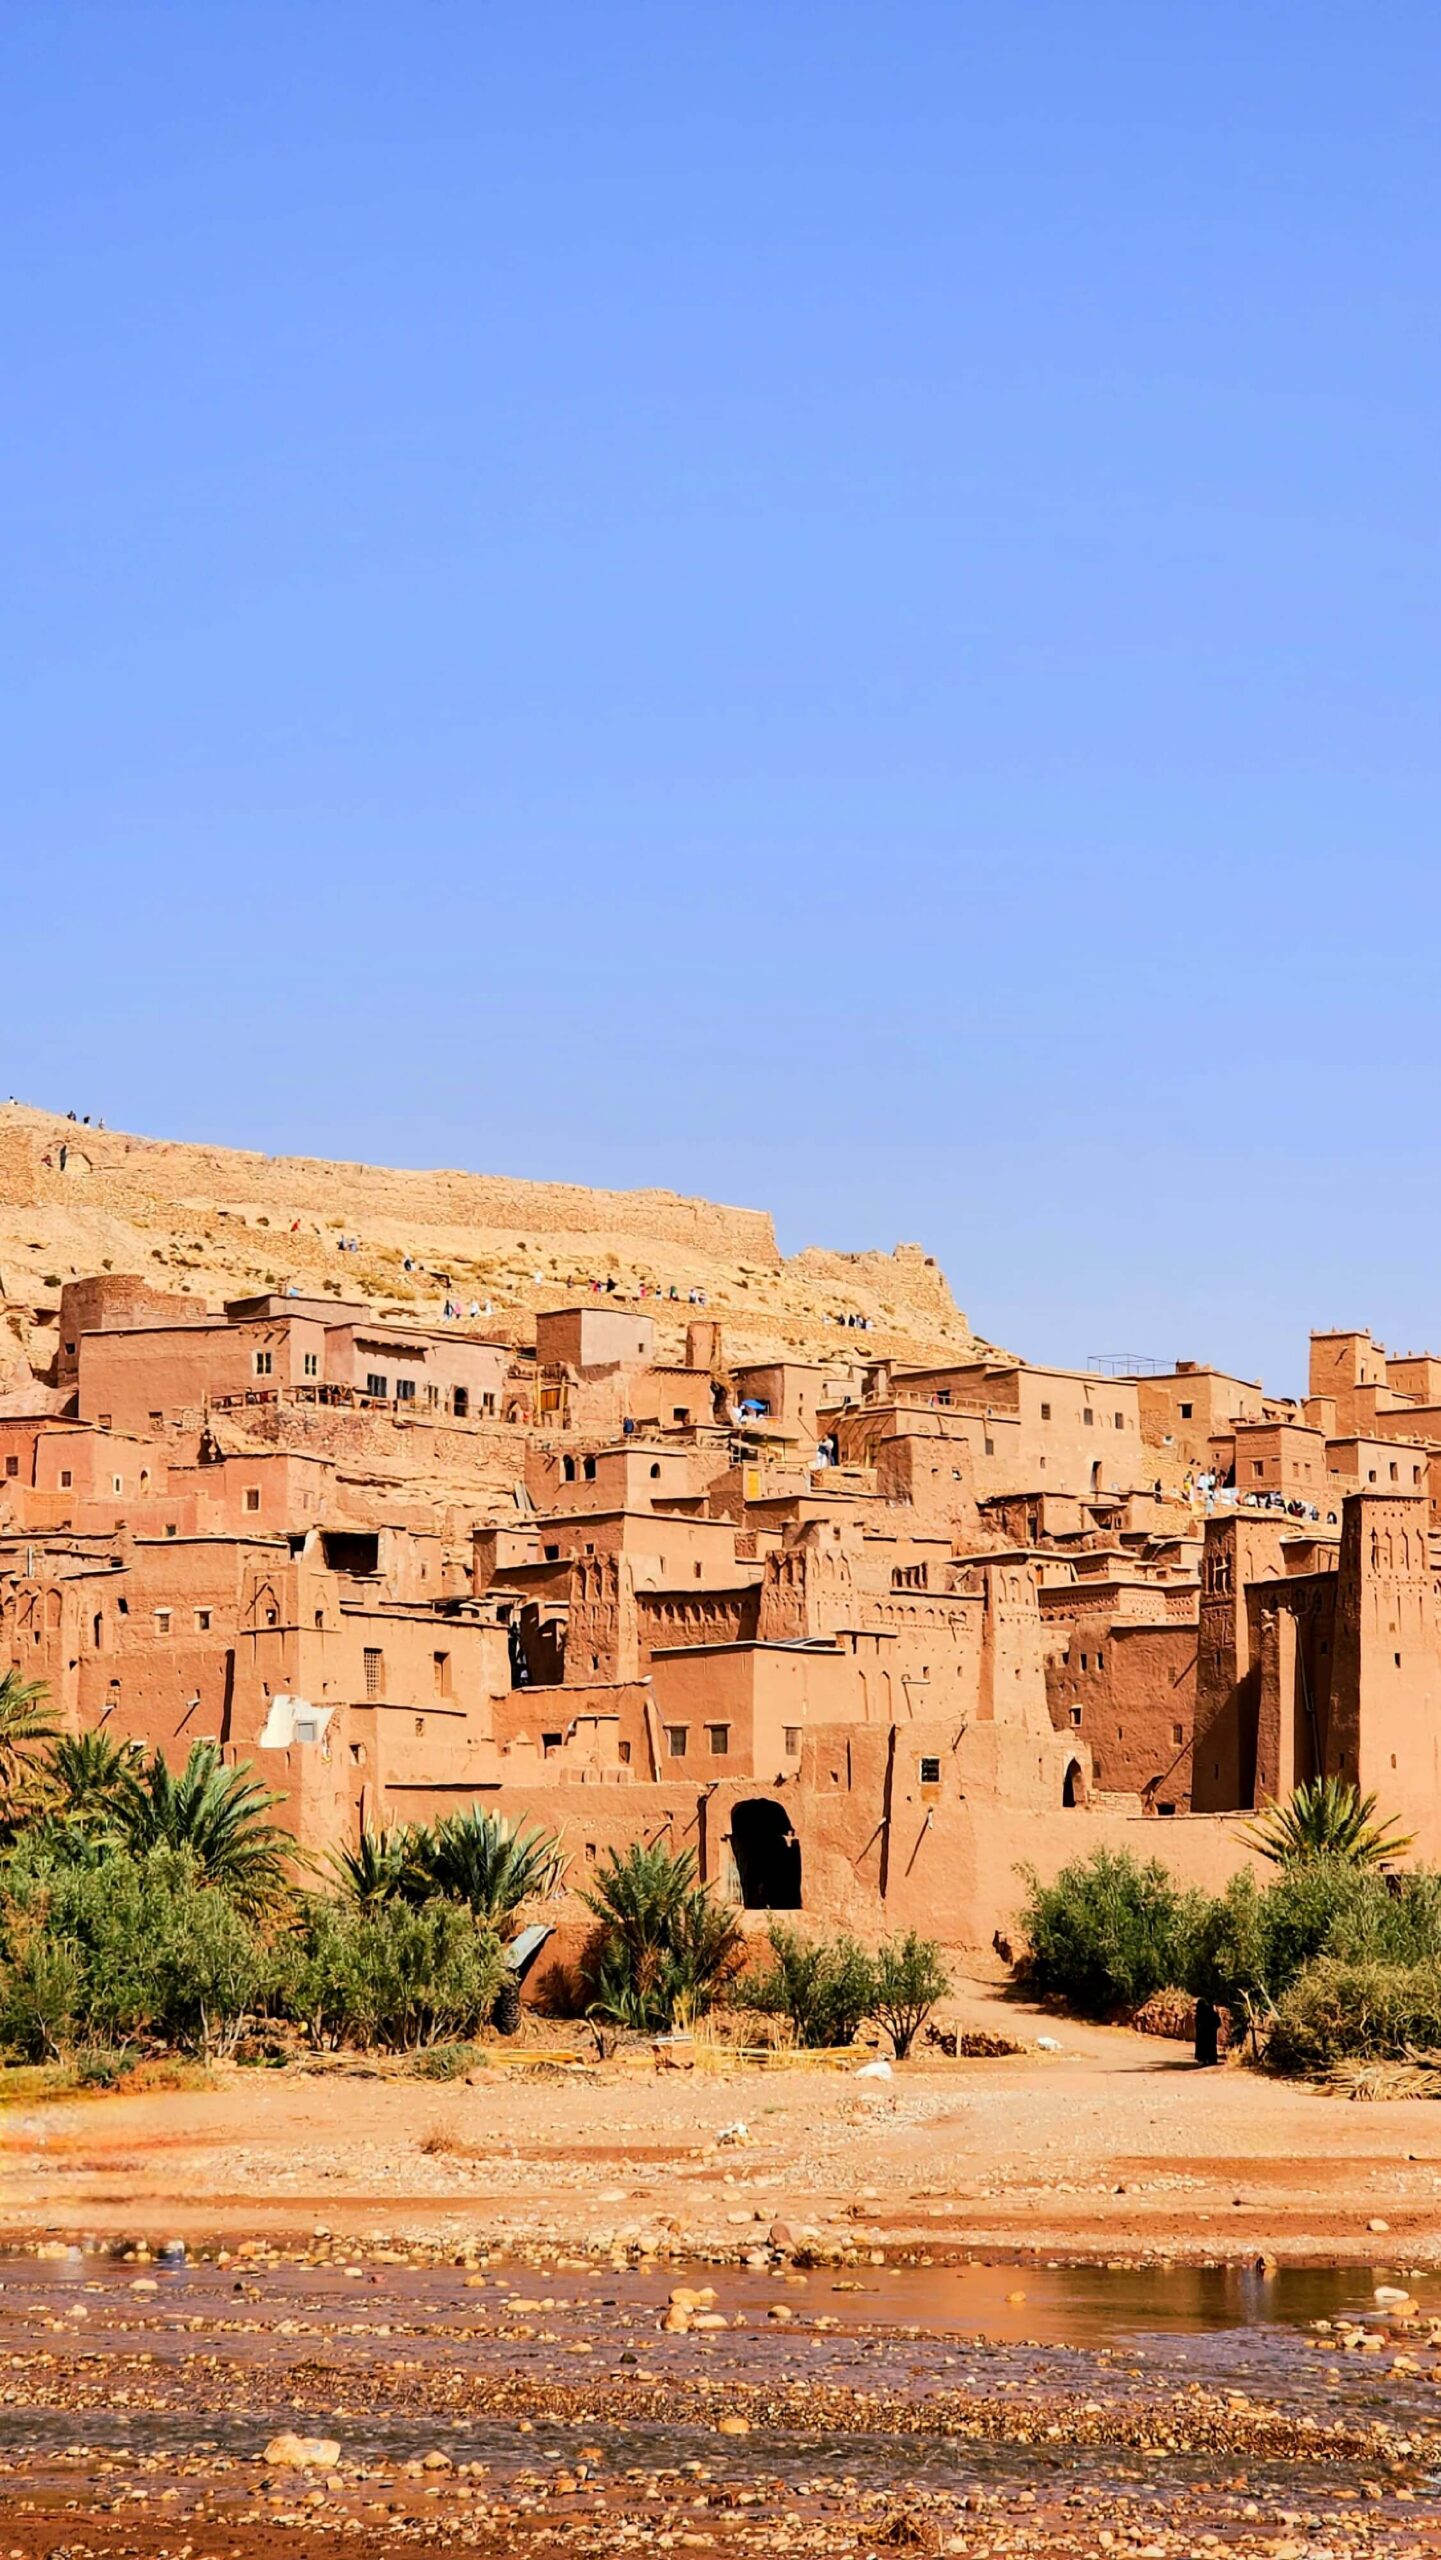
(218, 1222)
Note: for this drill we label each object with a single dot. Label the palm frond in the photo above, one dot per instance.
(219, 1815)
(494, 1865)
(1326, 1818)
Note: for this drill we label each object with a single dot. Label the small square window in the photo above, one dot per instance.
(12, 1466)
(252, 1497)
(310, 1364)
(930, 1772)
(791, 1741)
(552, 1555)
(719, 1738)
(1178, 1733)
(263, 1365)
(1045, 1413)
(1088, 1418)
(1076, 1714)
(677, 1737)
(376, 1385)
(1187, 1410)
(66, 1479)
(1120, 1420)
(374, 1671)
(162, 1622)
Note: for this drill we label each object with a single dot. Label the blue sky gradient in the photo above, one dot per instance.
(834, 606)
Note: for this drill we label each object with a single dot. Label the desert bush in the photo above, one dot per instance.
(1109, 1931)
(824, 1986)
(398, 1977)
(1341, 2009)
(124, 1948)
(446, 2061)
(909, 1979)
(1253, 1944)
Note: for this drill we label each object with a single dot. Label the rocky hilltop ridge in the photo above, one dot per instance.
(217, 1222)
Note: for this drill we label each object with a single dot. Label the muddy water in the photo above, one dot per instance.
(1194, 2398)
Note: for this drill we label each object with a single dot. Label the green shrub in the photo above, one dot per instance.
(446, 2061)
(825, 1986)
(102, 2066)
(909, 1979)
(394, 1976)
(124, 1947)
(1109, 1931)
(1252, 1944)
(1343, 2009)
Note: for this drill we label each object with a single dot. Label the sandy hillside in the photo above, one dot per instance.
(215, 1222)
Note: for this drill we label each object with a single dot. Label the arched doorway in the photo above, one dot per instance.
(767, 1856)
(1073, 1786)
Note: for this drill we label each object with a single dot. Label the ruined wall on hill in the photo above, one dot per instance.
(134, 1177)
(909, 1279)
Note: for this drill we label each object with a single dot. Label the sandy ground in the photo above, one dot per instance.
(1116, 2146)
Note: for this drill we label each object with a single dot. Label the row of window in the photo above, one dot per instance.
(718, 1741)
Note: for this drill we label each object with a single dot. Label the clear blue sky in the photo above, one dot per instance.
(832, 605)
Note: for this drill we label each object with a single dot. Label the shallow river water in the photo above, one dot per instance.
(1204, 2400)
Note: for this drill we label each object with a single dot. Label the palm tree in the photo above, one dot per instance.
(24, 1722)
(1327, 1818)
(664, 1945)
(378, 1869)
(494, 1865)
(84, 1771)
(219, 1815)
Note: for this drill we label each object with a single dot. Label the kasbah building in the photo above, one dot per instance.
(421, 1490)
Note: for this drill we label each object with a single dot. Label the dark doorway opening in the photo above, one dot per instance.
(767, 1856)
(351, 1550)
(1073, 1791)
